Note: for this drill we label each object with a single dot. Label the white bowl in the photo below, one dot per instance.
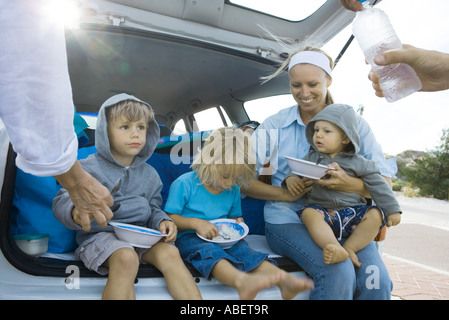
(307, 169)
(135, 235)
(241, 231)
(33, 244)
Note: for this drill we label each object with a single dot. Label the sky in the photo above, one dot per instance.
(412, 123)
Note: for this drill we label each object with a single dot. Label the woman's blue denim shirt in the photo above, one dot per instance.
(283, 134)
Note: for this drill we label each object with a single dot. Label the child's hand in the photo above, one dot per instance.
(298, 186)
(295, 185)
(239, 220)
(170, 229)
(206, 229)
(393, 219)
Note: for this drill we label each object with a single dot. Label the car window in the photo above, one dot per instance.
(209, 119)
(282, 8)
(180, 128)
(260, 109)
(91, 119)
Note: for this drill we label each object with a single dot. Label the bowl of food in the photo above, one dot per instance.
(307, 169)
(34, 244)
(229, 232)
(137, 236)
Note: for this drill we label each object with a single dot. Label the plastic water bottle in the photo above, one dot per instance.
(375, 34)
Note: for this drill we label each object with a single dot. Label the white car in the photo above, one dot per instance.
(197, 63)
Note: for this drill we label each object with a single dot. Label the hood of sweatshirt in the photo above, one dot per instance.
(344, 117)
(101, 132)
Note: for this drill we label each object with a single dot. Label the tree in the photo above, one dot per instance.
(431, 172)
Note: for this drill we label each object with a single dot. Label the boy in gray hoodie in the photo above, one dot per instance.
(331, 215)
(126, 135)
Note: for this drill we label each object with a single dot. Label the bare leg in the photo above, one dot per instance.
(289, 285)
(123, 265)
(323, 236)
(363, 234)
(247, 284)
(166, 258)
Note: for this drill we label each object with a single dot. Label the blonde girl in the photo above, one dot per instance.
(211, 191)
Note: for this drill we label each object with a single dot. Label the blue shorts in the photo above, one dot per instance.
(204, 255)
(344, 221)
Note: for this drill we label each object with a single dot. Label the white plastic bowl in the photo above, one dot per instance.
(135, 235)
(34, 244)
(307, 169)
(241, 229)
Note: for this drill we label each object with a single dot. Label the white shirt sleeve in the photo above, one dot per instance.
(36, 102)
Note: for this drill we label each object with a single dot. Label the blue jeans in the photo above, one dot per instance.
(204, 255)
(332, 281)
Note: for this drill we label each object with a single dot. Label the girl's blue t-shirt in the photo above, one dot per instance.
(189, 198)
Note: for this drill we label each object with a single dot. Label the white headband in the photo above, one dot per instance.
(312, 57)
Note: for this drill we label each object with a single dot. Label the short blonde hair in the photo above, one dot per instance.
(284, 65)
(227, 149)
(129, 109)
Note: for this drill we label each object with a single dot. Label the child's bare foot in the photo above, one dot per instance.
(251, 284)
(290, 285)
(354, 258)
(334, 253)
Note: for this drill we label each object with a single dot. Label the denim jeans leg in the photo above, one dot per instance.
(332, 281)
(373, 280)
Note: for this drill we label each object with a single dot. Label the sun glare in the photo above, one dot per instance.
(65, 11)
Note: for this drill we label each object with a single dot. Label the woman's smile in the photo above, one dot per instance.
(307, 101)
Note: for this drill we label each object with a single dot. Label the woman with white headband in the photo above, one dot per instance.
(310, 72)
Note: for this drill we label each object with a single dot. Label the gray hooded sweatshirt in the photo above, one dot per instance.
(353, 164)
(138, 199)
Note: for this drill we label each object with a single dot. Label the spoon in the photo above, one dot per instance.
(115, 188)
(320, 158)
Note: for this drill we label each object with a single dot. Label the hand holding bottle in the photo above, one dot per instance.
(376, 35)
(432, 67)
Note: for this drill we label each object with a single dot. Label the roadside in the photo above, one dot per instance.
(412, 281)
(416, 252)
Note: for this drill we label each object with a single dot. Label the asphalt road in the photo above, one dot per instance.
(423, 234)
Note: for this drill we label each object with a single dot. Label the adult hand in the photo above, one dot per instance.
(432, 67)
(353, 5)
(340, 180)
(91, 199)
